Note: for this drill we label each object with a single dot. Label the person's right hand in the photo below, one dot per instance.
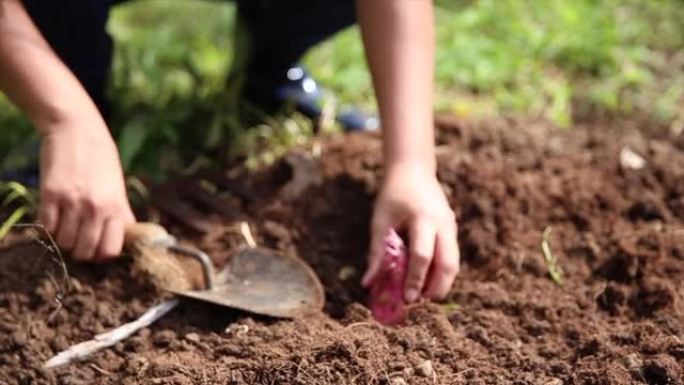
(82, 190)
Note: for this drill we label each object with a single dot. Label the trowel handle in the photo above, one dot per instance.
(143, 235)
(147, 234)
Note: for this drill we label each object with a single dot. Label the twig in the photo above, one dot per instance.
(247, 234)
(59, 296)
(100, 370)
(84, 349)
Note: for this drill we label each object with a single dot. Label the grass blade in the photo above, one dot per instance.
(12, 220)
(551, 260)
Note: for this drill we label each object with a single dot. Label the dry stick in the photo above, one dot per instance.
(247, 234)
(110, 338)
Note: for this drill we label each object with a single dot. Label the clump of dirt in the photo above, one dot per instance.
(617, 318)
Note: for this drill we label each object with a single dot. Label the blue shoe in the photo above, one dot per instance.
(301, 91)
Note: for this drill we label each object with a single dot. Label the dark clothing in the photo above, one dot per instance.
(76, 31)
(279, 33)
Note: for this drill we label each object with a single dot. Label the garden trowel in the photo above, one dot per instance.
(255, 279)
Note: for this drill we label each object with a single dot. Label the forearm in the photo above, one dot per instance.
(399, 40)
(34, 77)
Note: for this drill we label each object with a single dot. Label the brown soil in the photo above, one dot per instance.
(618, 317)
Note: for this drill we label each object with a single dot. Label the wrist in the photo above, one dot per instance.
(420, 165)
(410, 146)
(85, 122)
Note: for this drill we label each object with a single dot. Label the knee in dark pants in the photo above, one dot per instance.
(280, 32)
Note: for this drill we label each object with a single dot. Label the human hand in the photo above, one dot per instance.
(82, 191)
(412, 199)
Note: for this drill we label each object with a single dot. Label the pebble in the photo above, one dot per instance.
(192, 337)
(75, 284)
(20, 338)
(59, 343)
(632, 361)
(346, 272)
(237, 330)
(425, 369)
(398, 381)
(104, 312)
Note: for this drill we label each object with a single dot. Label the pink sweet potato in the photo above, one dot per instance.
(387, 293)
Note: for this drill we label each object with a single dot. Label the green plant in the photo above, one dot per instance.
(20, 200)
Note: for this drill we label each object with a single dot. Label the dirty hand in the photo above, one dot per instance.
(82, 192)
(412, 199)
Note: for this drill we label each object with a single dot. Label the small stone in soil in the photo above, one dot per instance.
(75, 285)
(632, 361)
(425, 369)
(20, 338)
(59, 343)
(237, 330)
(192, 337)
(346, 272)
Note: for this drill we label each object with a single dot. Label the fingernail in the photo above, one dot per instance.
(412, 295)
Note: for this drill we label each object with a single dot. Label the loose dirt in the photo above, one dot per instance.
(618, 235)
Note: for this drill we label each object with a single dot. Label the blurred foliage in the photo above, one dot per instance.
(561, 59)
(168, 81)
(556, 59)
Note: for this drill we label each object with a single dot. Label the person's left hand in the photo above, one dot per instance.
(411, 199)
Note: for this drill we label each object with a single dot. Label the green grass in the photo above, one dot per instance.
(556, 59)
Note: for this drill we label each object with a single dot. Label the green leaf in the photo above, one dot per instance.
(15, 191)
(12, 220)
(131, 140)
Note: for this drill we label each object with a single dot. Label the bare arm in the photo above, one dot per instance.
(399, 38)
(33, 76)
(83, 199)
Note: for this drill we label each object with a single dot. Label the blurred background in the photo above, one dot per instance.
(562, 61)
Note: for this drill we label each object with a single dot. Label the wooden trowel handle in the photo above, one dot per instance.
(148, 234)
(149, 244)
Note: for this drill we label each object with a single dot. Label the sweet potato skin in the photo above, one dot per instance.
(387, 293)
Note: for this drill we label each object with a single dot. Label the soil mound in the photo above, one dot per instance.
(617, 316)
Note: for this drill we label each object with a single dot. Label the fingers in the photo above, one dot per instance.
(89, 234)
(69, 223)
(378, 231)
(49, 215)
(90, 229)
(112, 240)
(445, 265)
(421, 250)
